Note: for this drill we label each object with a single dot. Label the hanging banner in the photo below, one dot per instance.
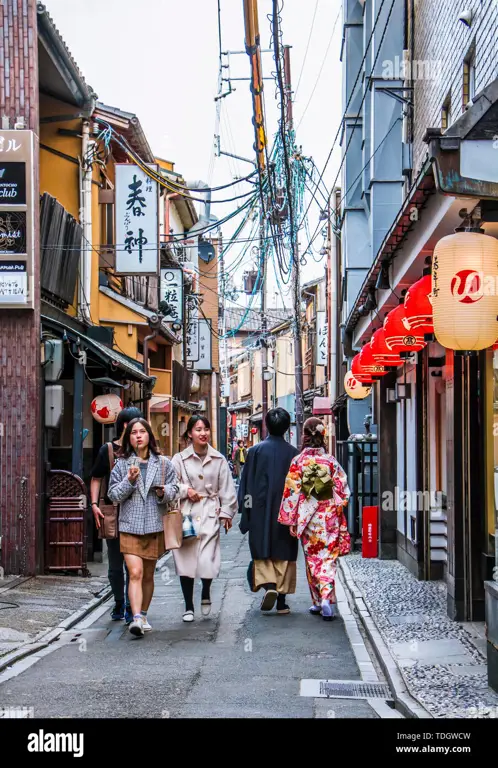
(17, 235)
(193, 337)
(171, 293)
(137, 221)
(204, 361)
(321, 338)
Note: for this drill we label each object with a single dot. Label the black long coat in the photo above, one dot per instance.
(260, 495)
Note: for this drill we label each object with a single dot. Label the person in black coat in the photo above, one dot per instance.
(273, 549)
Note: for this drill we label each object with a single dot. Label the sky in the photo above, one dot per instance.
(160, 60)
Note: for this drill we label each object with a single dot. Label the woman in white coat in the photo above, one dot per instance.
(207, 494)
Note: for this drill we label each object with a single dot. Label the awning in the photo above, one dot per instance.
(256, 418)
(160, 404)
(322, 406)
(244, 405)
(105, 354)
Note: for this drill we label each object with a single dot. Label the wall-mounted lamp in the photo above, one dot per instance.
(383, 283)
(267, 375)
(390, 396)
(403, 392)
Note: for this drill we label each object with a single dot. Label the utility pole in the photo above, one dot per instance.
(253, 50)
(298, 348)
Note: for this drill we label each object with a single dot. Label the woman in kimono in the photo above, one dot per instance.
(207, 495)
(316, 492)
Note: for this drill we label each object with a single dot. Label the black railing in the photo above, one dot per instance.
(358, 458)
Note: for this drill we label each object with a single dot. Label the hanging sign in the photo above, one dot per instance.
(171, 294)
(12, 232)
(321, 338)
(193, 337)
(204, 361)
(13, 282)
(17, 235)
(137, 221)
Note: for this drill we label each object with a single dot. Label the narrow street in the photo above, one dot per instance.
(236, 663)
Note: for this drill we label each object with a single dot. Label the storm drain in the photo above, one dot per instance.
(344, 689)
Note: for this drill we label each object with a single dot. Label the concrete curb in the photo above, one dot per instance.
(404, 700)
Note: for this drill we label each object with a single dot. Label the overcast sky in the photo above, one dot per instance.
(160, 60)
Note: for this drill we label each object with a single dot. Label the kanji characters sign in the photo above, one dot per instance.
(321, 338)
(171, 295)
(137, 221)
(193, 337)
(204, 361)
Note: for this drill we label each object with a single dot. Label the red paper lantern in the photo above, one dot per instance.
(400, 337)
(381, 352)
(358, 371)
(418, 307)
(105, 408)
(368, 364)
(254, 430)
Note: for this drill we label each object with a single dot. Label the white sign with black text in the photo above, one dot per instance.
(193, 337)
(13, 282)
(321, 338)
(137, 221)
(204, 361)
(171, 293)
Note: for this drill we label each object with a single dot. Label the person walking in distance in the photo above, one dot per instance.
(142, 482)
(101, 471)
(240, 458)
(207, 495)
(316, 492)
(273, 549)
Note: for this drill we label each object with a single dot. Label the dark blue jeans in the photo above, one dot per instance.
(116, 572)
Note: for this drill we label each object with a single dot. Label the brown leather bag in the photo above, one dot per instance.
(109, 525)
(172, 521)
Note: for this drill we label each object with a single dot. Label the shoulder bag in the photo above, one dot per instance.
(109, 525)
(172, 519)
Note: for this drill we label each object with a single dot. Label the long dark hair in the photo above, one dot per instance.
(192, 422)
(313, 437)
(126, 447)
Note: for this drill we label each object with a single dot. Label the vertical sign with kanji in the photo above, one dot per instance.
(192, 337)
(17, 234)
(171, 295)
(321, 338)
(137, 221)
(204, 361)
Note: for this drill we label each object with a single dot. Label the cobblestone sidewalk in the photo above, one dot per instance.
(443, 662)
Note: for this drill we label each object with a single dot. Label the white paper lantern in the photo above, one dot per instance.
(355, 388)
(105, 408)
(464, 291)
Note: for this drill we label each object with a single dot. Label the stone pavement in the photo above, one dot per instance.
(237, 663)
(442, 662)
(33, 608)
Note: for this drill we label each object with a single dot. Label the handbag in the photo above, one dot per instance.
(109, 525)
(172, 522)
(188, 527)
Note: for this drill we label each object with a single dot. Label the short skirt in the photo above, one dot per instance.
(150, 546)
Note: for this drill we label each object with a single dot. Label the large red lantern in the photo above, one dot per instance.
(381, 352)
(400, 337)
(359, 372)
(368, 364)
(418, 305)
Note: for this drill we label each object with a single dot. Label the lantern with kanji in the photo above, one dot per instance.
(354, 388)
(464, 291)
(105, 408)
(359, 372)
(368, 364)
(381, 352)
(418, 306)
(400, 336)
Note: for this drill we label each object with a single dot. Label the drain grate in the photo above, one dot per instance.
(344, 689)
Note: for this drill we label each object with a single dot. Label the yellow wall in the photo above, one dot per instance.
(285, 365)
(163, 383)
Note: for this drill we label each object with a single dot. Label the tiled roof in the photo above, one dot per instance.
(252, 322)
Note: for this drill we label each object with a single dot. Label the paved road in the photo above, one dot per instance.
(237, 663)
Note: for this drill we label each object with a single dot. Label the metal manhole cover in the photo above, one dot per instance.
(344, 689)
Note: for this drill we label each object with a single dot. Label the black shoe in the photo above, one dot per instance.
(118, 612)
(269, 600)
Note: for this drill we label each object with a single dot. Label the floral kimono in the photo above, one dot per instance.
(316, 492)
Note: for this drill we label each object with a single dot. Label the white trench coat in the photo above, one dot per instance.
(200, 557)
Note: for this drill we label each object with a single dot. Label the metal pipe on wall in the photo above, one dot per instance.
(86, 171)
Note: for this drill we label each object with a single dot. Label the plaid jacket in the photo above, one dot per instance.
(140, 510)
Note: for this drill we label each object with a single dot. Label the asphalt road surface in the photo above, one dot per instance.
(239, 662)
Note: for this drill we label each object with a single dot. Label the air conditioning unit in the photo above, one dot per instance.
(54, 405)
(54, 359)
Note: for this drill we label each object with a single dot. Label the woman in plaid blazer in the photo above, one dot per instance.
(142, 482)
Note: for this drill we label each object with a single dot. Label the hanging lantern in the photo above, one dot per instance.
(418, 305)
(381, 352)
(105, 408)
(464, 290)
(369, 365)
(358, 371)
(355, 388)
(400, 337)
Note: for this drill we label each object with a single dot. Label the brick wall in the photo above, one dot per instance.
(440, 37)
(20, 433)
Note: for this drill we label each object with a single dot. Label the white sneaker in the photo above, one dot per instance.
(146, 626)
(188, 616)
(205, 607)
(137, 626)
